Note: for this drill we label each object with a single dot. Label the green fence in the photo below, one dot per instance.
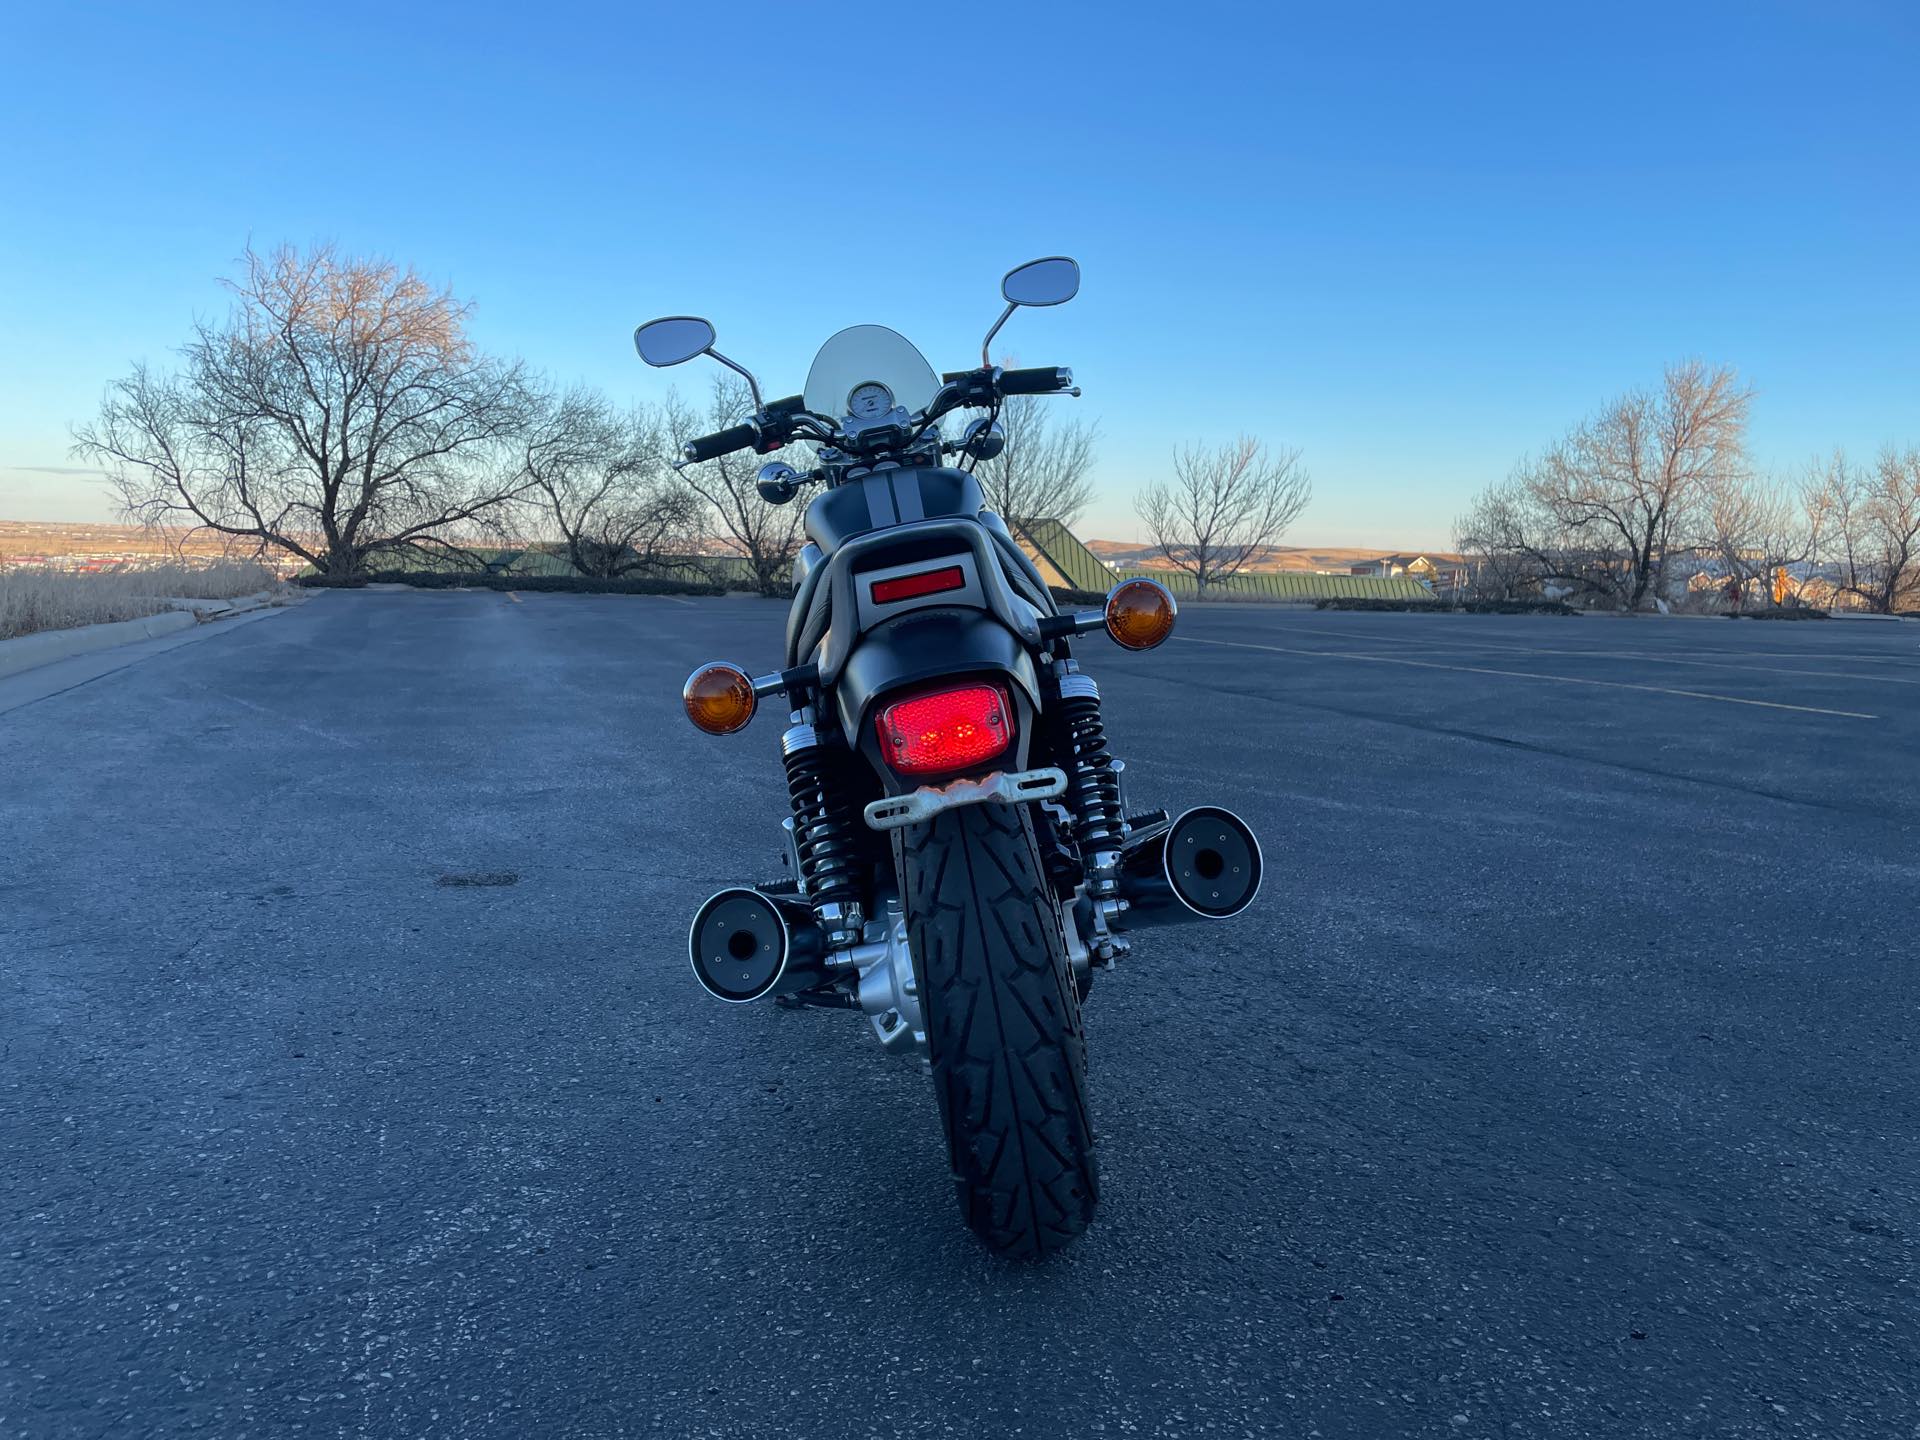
(1084, 570)
(1051, 542)
(552, 560)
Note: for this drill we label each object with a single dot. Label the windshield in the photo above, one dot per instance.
(866, 356)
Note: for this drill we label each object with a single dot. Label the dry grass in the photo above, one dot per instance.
(35, 599)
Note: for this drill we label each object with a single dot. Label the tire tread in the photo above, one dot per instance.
(1003, 1028)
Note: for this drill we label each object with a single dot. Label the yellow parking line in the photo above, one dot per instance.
(1526, 675)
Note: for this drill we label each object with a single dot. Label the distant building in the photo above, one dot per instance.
(1436, 572)
(1418, 566)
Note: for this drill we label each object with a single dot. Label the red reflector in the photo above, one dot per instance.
(949, 730)
(927, 582)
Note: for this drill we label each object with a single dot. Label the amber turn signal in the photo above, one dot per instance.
(1140, 613)
(719, 698)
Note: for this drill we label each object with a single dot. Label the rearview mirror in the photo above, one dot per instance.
(983, 440)
(673, 340)
(1052, 281)
(777, 483)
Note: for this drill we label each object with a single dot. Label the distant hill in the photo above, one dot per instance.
(34, 542)
(26, 542)
(1275, 558)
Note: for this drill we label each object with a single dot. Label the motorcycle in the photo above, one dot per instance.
(960, 857)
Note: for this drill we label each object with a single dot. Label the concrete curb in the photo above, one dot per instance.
(58, 676)
(27, 652)
(44, 647)
(206, 610)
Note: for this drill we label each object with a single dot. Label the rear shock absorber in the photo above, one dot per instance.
(1093, 789)
(826, 834)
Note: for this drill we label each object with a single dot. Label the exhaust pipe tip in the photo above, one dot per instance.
(1203, 866)
(743, 947)
(1212, 860)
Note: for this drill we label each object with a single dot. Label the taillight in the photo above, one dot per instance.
(925, 582)
(948, 730)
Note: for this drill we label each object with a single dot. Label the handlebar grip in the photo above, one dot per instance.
(1043, 380)
(707, 447)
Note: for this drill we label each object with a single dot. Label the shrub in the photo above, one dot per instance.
(1076, 599)
(1518, 607)
(1470, 607)
(568, 584)
(33, 598)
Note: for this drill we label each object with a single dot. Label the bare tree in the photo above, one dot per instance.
(1045, 471)
(1606, 509)
(1223, 506)
(1758, 526)
(1493, 537)
(768, 536)
(1626, 489)
(601, 478)
(1875, 528)
(339, 412)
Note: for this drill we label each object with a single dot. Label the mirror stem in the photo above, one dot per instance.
(985, 362)
(753, 384)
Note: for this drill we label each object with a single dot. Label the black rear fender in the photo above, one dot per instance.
(924, 646)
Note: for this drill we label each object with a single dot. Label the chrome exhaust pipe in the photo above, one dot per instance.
(1205, 865)
(745, 945)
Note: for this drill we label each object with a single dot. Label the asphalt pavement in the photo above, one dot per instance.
(1563, 1081)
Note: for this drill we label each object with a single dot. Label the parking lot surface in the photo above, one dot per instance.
(1563, 1081)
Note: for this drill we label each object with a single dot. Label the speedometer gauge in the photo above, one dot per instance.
(869, 401)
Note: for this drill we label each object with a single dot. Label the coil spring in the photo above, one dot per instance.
(1092, 790)
(825, 827)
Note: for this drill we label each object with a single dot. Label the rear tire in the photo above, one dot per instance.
(1003, 1027)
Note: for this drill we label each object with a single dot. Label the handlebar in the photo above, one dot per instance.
(980, 384)
(776, 424)
(1043, 380)
(708, 447)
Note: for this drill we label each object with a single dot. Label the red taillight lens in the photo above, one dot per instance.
(927, 582)
(948, 730)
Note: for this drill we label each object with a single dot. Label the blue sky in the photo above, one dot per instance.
(1416, 241)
